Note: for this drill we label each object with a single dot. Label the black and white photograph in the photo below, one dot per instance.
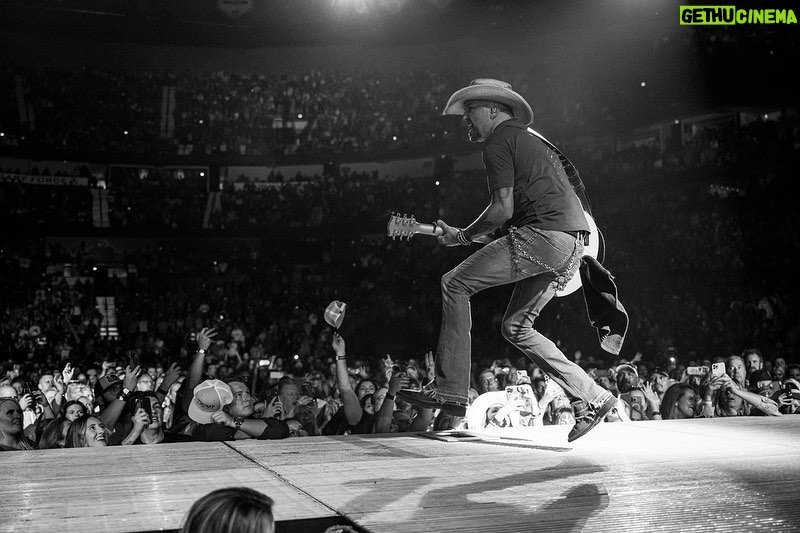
(399, 266)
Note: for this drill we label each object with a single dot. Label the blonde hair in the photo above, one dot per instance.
(231, 510)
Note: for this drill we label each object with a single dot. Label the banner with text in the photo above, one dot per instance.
(32, 179)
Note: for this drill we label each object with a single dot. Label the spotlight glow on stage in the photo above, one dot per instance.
(364, 7)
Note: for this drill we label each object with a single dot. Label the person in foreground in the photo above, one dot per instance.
(536, 209)
(233, 509)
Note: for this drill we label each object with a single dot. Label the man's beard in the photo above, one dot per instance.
(473, 134)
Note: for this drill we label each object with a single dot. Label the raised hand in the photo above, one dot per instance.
(131, 377)
(171, 376)
(58, 381)
(338, 345)
(67, 372)
(205, 337)
(25, 401)
(552, 389)
(725, 381)
(650, 395)
(430, 364)
(398, 381)
(140, 419)
(274, 409)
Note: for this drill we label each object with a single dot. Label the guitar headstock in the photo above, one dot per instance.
(402, 226)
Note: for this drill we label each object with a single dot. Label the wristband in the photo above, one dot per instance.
(238, 422)
(161, 391)
(341, 357)
(462, 239)
(123, 396)
(201, 351)
(389, 397)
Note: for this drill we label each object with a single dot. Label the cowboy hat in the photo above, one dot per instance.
(494, 91)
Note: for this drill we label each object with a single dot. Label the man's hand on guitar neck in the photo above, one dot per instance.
(450, 236)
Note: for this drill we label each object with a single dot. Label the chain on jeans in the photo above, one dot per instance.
(518, 251)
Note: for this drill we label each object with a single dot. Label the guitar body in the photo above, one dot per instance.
(592, 249)
(405, 226)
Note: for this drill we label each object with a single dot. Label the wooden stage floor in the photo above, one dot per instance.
(735, 474)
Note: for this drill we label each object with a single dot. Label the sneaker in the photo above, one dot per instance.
(427, 398)
(587, 416)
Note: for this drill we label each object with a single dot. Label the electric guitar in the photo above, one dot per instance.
(407, 226)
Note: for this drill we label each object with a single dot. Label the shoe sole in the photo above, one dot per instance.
(599, 417)
(420, 400)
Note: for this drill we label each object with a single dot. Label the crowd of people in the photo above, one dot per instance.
(229, 390)
(315, 112)
(202, 320)
(226, 113)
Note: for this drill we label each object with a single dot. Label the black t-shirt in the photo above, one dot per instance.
(275, 429)
(543, 195)
(212, 433)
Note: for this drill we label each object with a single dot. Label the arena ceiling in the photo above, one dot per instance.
(258, 23)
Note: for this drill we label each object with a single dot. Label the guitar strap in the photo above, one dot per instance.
(572, 173)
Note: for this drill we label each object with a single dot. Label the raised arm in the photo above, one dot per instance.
(350, 403)
(204, 339)
(111, 413)
(170, 377)
(383, 418)
(768, 405)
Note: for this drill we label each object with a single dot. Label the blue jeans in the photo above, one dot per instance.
(535, 260)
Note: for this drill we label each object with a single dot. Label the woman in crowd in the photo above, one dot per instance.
(86, 432)
(73, 410)
(11, 435)
(233, 510)
(54, 433)
(680, 401)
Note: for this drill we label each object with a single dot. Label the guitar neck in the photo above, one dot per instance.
(405, 227)
(429, 229)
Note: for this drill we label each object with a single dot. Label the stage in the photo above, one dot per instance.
(727, 474)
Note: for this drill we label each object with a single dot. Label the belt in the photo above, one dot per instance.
(580, 235)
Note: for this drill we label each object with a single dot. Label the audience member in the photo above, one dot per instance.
(225, 411)
(87, 431)
(233, 510)
(11, 434)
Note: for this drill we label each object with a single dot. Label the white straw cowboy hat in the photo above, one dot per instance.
(494, 91)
